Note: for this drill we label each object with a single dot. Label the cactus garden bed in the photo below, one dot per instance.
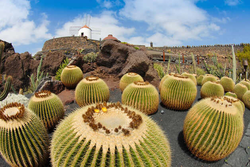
(171, 123)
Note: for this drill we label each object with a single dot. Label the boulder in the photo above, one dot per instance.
(117, 58)
(55, 87)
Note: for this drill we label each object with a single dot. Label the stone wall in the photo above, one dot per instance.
(73, 42)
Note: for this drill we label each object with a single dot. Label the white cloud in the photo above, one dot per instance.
(106, 22)
(232, 2)
(15, 27)
(175, 20)
(109, 3)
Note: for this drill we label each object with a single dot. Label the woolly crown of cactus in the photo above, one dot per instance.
(91, 90)
(109, 134)
(24, 139)
(71, 76)
(191, 76)
(199, 80)
(213, 128)
(48, 107)
(237, 103)
(178, 92)
(210, 89)
(129, 78)
(227, 83)
(209, 77)
(239, 90)
(142, 96)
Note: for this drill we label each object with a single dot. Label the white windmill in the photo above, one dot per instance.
(85, 30)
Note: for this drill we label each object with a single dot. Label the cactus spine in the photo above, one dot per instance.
(48, 107)
(178, 92)
(128, 79)
(24, 139)
(210, 89)
(91, 90)
(227, 83)
(109, 134)
(213, 128)
(142, 96)
(71, 76)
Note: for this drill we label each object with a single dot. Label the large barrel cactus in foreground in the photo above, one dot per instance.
(71, 76)
(178, 92)
(48, 107)
(213, 128)
(142, 96)
(109, 135)
(23, 137)
(91, 90)
(129, 78)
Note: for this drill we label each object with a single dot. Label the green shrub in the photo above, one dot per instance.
(62, 66)
(159, 69)
(90, 57)
(137, 48)
(200, 71)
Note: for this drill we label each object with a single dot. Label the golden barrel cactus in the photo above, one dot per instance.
(246, 83)
(142, 96)
(227, 83)
(129, 78)
(237, 103)
(213, 128)
(109, 134)
(240, 90)
(210, 89)
(91, 90)
(178, 92)
(71, 76)
(162, 80)
(246, 99)
(231, 94)
(191, 76)
(209, 77)
(199, 80)
(24, 140)
(48, 107)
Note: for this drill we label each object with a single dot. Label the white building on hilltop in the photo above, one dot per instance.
(85, 31)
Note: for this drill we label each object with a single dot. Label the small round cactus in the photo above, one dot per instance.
(178, 92)
(231, 94)
(48, 107)
(109, 134)
(199, 80)
(239, 90)
(24, 139)
(71, 76)
(227, 83)
(142, 96)
(91, 90)
(246, 99)
(129, 78)
(210, 89)
(246, 83)
(191, 76)
(213, 128)
(209, 77)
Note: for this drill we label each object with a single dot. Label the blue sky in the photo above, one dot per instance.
(27, 24)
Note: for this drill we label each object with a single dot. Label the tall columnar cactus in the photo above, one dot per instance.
(210, 89)
(2, 46)
(213, 128)
(209, 77)
(199, 80)
(191, 76)
(71, 76)
(178, 92)
(234, 64)
(109, 134)
(24, 140)
(237, 103)
(7, 88)
(48, 107)
(239, 90)
(194, 63)
(246, 83)
(91, 90)
(227, 83)
(142, 96)
(129, 78)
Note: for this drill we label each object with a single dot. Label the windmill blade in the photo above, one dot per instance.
(73, 30)
(89, 17)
